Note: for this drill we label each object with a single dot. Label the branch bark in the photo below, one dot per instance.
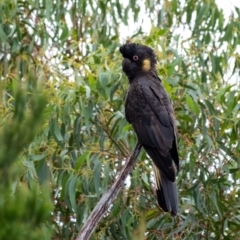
(108, 197)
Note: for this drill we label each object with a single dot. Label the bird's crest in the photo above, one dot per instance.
(142, 55)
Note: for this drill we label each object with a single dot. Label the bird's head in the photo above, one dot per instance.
(138, 59)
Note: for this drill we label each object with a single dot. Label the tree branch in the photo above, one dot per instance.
(108, 197)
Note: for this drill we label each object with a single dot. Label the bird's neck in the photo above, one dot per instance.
(133, 76)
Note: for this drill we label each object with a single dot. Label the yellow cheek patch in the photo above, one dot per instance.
(146, 65)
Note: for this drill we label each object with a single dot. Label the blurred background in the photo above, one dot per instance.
(63, 134)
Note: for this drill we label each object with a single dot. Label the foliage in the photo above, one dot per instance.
(66, 52)
(24, 205)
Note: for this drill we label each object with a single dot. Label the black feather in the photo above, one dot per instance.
(149, 109)
(167, 195)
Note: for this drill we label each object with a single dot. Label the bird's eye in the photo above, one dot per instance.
(135, 57)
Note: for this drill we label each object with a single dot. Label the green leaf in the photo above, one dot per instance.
(193, 106)
(183, 225)
(145, 178)
(215, 199)
(83, 158)
(65, 33)
(3, 36)
(96, 176)
(71, 187)
(228, 33)
(55, 131)
(36, 157)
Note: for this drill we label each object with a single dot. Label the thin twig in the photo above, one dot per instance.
(108, 197)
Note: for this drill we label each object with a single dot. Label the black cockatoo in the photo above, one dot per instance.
(149, 109)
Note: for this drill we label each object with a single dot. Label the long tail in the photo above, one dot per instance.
(166, 192)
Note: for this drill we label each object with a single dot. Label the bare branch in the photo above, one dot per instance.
(108, 197)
